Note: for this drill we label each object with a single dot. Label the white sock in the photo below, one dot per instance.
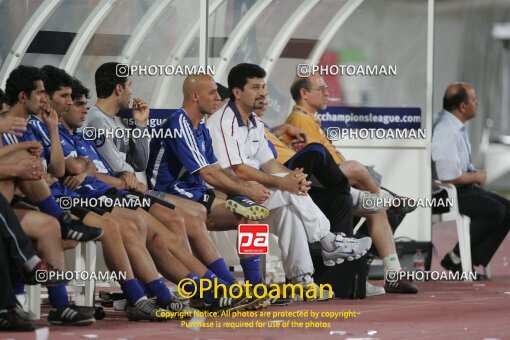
(31, 263)
(455, 259)
(141, 299)
(328, 242)
(355, 196)
(391, 262)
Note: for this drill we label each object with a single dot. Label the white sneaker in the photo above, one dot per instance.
(119, 305)
(372, 290)
(348, 248)
(314, 289)
(369, 203)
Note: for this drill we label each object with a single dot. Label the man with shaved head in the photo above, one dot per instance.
(192, 152)
(451, 154)
(184, 164)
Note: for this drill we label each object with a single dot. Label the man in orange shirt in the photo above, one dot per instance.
(311, 95)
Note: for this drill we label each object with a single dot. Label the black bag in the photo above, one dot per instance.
(347, 279)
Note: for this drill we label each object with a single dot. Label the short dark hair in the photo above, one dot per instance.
(239, 75)
(453, 100)
(79, 90)
(2, 97)
(107, 78)
(223, 91)
(55, 79)
(297, 85)
(22, 79)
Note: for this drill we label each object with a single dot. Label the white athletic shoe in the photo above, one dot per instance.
(312, 288)
(348, 248)
(372, 290)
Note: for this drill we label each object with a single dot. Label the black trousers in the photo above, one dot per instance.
(333, 198)
(7, 297)
(490, 221)
(17, 243)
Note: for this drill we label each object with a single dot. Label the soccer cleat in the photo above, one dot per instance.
(311, 291)
(77, 231)
(45, 274)
(401, 286)
(263, 303)
(12, 321)
(281, 301)
(181, 310)
(259, 303)
(246, 207)
(145, 310)
(348, 248)
(97, 312)
(225, 303)
(369, 203)
(70, 315)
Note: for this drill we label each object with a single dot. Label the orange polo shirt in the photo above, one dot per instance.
(283, 150)
(310, 125)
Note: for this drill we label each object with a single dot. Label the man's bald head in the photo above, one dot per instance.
(456, 94)
(201, 93)
(460, 100)
(194, 83)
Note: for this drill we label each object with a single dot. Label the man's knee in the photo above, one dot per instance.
(355, 168)
(157, 243)
(130, 232)
(492, 213)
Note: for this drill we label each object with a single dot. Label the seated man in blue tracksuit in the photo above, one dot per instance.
(78, 150)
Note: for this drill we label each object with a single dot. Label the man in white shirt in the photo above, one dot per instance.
(451, 153)
(241, 147)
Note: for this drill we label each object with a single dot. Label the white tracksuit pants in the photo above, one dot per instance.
(296, 220)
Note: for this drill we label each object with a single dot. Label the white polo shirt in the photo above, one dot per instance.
(236, 143)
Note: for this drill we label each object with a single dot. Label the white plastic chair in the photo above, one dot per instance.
(84, 260)
(463, 233)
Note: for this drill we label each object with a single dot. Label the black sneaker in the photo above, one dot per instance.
(145, 310)
(77, 231)
(70, 316)
(11, 321)
(246, 207)
(45, 274)
(448, 264)
(402, 286)
(97, 312)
